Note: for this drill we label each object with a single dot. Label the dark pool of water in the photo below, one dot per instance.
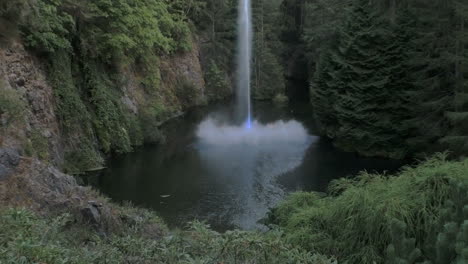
(230, 181)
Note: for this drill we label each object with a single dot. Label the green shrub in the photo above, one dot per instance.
(447, 244)
(109, 30)
(83, 159)
(11, 106)
(216, 83)
(48, 29)
(402, 250)
(73, 115)
(151, 80)
(39, 145)
(135, 131)
(109, 119)
(115, 30)
(71, 108)
(356, 222)
(280, 99)
(203, 245)
(150, 117)
(27, 238)
(186, 92)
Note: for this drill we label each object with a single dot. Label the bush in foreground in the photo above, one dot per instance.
(28, 238)
(419, 215)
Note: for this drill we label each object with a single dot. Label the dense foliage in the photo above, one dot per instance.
(28, 238)
(418, 215)
(267, 73)
(106, 29)
(387, 77)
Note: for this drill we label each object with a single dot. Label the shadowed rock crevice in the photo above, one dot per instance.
(9, 160)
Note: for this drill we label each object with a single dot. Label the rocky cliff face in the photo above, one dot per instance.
(32, 141)
(23, 74)
(183, 74)
(181, 83)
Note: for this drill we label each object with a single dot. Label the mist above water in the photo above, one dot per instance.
(248, 162)
(211, 132)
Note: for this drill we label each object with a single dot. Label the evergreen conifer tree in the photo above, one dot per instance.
(457, 137)
(417, 49)
(366, 73)
(432, 73)
(323, 96)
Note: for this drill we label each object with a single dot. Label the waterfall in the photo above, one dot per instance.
(244, 57)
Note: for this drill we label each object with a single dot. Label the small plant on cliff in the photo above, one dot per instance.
(150, 117)
(11, 106)
(280, 99)
(216, 81)
(37, 144)
(83, 159)
(186, 91)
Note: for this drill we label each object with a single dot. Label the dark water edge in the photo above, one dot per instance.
(228, 187)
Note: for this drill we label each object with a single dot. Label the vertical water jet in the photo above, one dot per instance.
(244, 57)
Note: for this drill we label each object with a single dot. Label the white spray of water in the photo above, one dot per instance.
(248, 162)
(280, 132)
(244, 58)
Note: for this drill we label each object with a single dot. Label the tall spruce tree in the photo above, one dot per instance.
(432, 73)
(366, 73)
(321, 23)
(457, 137)
(323, 95)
